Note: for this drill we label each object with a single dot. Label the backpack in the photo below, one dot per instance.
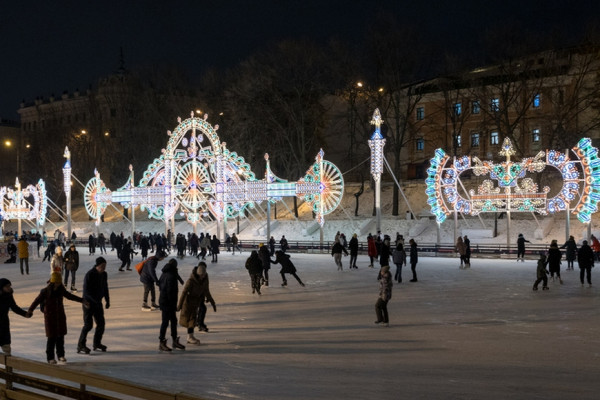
(139, 266)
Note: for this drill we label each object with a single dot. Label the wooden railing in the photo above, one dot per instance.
(32, 380)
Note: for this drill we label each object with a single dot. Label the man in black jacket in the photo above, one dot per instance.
(95, 288)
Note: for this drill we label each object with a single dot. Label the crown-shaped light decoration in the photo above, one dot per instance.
(508, 187)
(197, 174)
(30, 203)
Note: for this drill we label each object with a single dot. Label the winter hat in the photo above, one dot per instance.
(4, 282)
(55, 277)
(100, 260)
(261, 244)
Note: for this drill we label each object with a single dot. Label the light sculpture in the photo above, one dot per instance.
(197, 174)
(376, 144)
(29, 203)
(510, 189)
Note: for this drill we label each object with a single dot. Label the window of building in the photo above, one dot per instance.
(420, 144)
(495, 105)
(420, 113)
(535, 136)
(536, 101)
(474, 139)
(457, 108)
(475, 107)
(494, 138)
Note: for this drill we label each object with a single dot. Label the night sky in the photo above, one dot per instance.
(51, 46)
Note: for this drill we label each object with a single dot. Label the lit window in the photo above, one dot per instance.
(475, 140)
(457, 109)
(475, 107)
(495, 105)
(535, 136)
(536, 101)
(420, 113)
(494, 138)
(420, 144)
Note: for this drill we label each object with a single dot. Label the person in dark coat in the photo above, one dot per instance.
(7, 302)
(571, 252)
(125, 255)
(541, 273)
(283, 244)
(287, 267)
(385, 294)
(521, 247)
(11, 250)
(371, 250)
(144, 246)
(336, 253)
(149, 279)
(168, 285)
(467, 243)
(215, 243)
(92, 244)
(102, 243)
(353, 246)
(385, 252)
(554, 256)
(95, 288)
(398, 257)
(265, 257)
(71, 265)
(272, 246)
(193, 296)
(50, 301)
(255, 269)
(585, 259)
(414, 258)
(49, 251)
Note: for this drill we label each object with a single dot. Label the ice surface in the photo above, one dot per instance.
(480, 333)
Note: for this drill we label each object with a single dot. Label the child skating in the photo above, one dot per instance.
(542, 273)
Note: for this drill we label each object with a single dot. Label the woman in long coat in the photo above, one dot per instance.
(57, 262)
(50, 301)
(195, 292)
(554, 256)
(287, 267)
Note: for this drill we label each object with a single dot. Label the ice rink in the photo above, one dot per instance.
(480, 333)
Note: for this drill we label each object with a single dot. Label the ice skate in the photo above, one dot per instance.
(62, 360)
(546, 288)
(6, 349)
(83, 349)
(163, 346)
(191, 339)
(154, 306)
(73, 288)
(177, 345)
(146, 307)
(535, 288)
(100, 347)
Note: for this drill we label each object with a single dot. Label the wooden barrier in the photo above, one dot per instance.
(32, 380)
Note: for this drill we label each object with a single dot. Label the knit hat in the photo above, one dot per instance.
(100, 260)
(55, 277)
(4, 282)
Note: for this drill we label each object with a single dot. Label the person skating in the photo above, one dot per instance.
(541, 273)
(235, 244)
(554, 256)
(149, 279)
(7, 302)
(467, 243)
(371, 250)
(125, 255)
(385, 294)
(570, 252)
(71, 265)
(255, 269)
(283, 244)
(57, 263)
(95, 288)
(353, 246)
(585, 259)
(336, 253)
(398, 257)
(215, 243)
(23, 251)
(193, 296)
(461, 249)
(414, 258)
(385, 251)
(265, 257)
(521, 247)
(169, 285)
(51, 301)
(287, 267)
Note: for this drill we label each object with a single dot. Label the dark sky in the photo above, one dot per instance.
(51, 46)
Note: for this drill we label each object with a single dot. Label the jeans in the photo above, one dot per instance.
(149, 288)
(95, 313)
(381, 310)
(398, 275)
(72, 272)
(57, 342)
(168, 316)
(585, 271)
(26, 265)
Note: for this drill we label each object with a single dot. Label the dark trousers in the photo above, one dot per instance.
(255, 279)
(57, 342)
(413, 268)
(292, 274)
(26, 260)
(90, 315)
(149, 288)
(381, 310)
(202, 315)
(585, 271)
(72, 272)
(537, 282)
(520, 253)
(353, 260)
(169, 316)
(398, 275)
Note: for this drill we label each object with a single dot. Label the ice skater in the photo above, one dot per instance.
(95, 288)
(571, 252)
(193, 295)
(585, 259)
(255, 269)
(7, 301)
(385, 294)
(414, 258)
(461, 249)
(287, 267)
(371, 250)
(353, 245)
(554, 256)
(399, 258)
(168, 285)
(521, 247)
(336, 253)
(542, 273)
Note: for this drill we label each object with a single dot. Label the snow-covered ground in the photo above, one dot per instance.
(480, 333)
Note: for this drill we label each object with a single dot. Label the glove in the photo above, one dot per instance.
(214, 307)
(107, 305)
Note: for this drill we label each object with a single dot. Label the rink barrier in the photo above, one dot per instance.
(39, 381)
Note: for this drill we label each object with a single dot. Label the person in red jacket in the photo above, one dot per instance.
(371, 249)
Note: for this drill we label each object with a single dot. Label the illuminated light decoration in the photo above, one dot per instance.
(376, 144)
(509, 188)
(197, 175)
(14, 203)
(67, 172)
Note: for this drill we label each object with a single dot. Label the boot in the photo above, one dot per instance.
(191, 339)
(83, 349)
(6, 349)
(163, 346)
(176, 344)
